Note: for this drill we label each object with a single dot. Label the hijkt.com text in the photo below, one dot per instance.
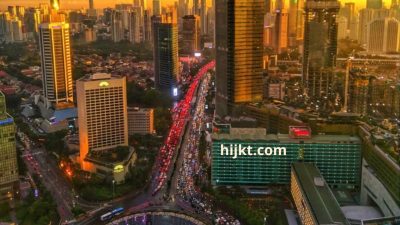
(235, 150)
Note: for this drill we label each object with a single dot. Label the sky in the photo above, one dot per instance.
(77, 4)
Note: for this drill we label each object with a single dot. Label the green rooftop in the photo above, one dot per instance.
(325, 208)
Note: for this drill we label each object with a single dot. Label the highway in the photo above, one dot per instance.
(158, 196)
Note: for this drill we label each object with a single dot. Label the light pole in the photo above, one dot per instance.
(113, 183)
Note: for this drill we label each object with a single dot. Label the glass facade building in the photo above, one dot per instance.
(8, 154)
(338, 157)
(239, 52)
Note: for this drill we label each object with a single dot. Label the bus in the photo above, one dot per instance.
(111, 214)
(118, 211)
(106, 216)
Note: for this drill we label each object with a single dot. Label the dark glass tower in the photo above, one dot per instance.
(165, 52)
(239, 53)
(320, 47)
(374, 4)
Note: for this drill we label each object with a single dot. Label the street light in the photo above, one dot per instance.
(113, 182)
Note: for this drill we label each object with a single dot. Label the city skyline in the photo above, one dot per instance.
(78, 4)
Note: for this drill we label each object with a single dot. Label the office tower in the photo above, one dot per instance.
(4, 18)
(146, 25)
(20, 10)
(90, 35)
(374, 4)
(190, 34)
(12, 10)
(239, 52)
(44, 8)
(196, 7)
(107, 15)
(16, 30)
(342, 27)
(383, 36)
(91, 4)
(117, 28)
(269, 6)
(8, 153)
(134, 27)
(32, 20)
(156, 7)
(281, 30)
(102, 113)
(165, 53)
(320, 46)
(300, 20)
(359, 93)
(55, 4)
(140, 3)
(55, 50)
(140, 121)
(203, 17)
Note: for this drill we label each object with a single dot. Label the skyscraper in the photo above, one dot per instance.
(320, 46)
(203, 17)
(165, 52)
(156, 7)
(281, 30)
(134, 26)
(102, 112)
(383, 35)
(374, 4)
(54, 40)
(239, 53)
(117, 27)
(8, 153)
(190, 34)
(91, 4)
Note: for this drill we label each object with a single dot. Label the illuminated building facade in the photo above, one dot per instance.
(8, 153)
(102, 113)
(239, 53)
(338, 157)
(55, 49)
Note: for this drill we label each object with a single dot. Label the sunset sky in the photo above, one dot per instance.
(75, 4)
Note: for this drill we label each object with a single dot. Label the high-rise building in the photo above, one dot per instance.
(156, 7)
(239, 53)
(165, 52)
(365, 17)
(342, 27)
(190, 34)
(102, 113)
(8, 153)
(203, 17)
(55, 50)
(196, 7)
(91, 4)
(300, 20)
(134, 27)
(320, 47)
(146, 25)
(383, 35)
(140, 121)
(117, 28)
(281, 30)
(359, 93)
(374, 4)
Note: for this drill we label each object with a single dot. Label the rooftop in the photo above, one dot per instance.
(244, 134)
(325, 208)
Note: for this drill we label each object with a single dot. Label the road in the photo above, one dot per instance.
(158, 195)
